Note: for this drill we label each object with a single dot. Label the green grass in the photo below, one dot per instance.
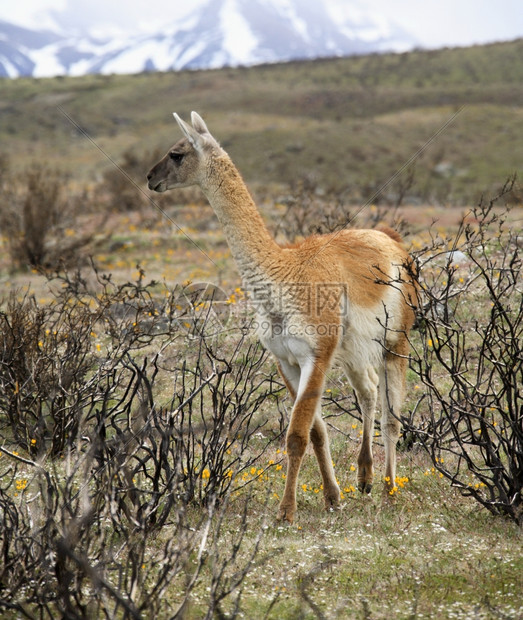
(427, 554)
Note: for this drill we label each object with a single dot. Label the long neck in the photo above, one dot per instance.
(251, 244)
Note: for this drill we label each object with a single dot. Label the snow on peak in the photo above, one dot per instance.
(214, 34)
(239, 42)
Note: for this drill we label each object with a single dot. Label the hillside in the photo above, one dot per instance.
(348, 123)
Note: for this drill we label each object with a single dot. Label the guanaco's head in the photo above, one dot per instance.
(186, 162)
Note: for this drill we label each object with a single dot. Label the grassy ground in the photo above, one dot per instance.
(427, 554)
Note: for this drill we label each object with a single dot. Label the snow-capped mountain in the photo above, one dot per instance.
(218, 33)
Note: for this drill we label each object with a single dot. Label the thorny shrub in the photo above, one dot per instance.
(123, 440)
(45, 356)
(309, 210)
(122, 183)
(470, 359)
(39, 225)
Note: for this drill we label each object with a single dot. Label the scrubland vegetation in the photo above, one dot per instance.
(141, 424)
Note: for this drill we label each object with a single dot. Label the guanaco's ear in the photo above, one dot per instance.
(198, 123)
(198, 135)
(191, 134)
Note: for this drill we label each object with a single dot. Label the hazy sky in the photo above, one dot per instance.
(433, 22)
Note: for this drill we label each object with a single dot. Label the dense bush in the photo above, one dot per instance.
(38, 222)
(311, 211)
(45, 356)
(128, 424)
(123, 183)
(470, 359)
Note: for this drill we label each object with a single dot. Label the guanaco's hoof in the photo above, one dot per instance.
(332, 504)
(285, 514)
(365, 487)
(332, 498)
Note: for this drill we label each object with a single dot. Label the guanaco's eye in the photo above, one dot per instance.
(176, 157)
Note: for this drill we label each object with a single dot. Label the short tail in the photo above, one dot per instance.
(393, 234)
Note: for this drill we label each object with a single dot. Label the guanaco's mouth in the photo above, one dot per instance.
(159, 187)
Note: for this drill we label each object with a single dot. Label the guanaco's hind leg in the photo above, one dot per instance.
(320, 443)
(365, 384)
(305, 422)
(392, 391)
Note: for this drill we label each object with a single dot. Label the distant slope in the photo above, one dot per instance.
(346, 124)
